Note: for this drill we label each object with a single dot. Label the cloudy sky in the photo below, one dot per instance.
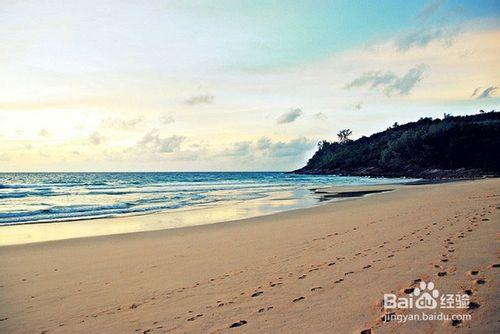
(123, 85)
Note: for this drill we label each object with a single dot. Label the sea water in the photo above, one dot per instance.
(51, 197)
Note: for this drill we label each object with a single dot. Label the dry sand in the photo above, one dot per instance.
(318, 270)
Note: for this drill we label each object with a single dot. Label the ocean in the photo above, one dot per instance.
(51, 197)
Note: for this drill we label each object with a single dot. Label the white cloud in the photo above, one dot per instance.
(264, 143)
(405, 84)
(238, 149)
(449, 27)
(199, 99)
(96, 138)
(373, 79)
(153, 142)
(265, 147)
(320, 116)
(487, 93)
(44, 133)
(476, 91)
(122, 123)
(429, 9)
(424, 36)
(290, 116)
(295, 147)
(390, 81)
(171, 144)
(167, 119)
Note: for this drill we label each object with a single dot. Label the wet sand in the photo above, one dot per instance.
(203, 215)
(323, 269)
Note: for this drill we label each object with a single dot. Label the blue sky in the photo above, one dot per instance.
(230, 85)
(300, 31)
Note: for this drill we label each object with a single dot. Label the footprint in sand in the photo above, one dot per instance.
(256, 294)
(302, 276)
(442, 273)
(480, 281)
(474, 272)
(298, 299)
(473, 306)
(316, 288)
(265, 309)
(238, 324)
(367, 266)
(339, 280)
(409, 290)
(387, 317)
(468, 292)
(195, 317)
(348, 273)
(366, 331)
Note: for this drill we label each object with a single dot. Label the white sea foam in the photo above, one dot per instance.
(46, 197)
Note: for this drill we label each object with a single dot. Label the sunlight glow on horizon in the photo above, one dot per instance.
(166, 86)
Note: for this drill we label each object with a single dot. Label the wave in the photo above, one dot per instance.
(46, 197)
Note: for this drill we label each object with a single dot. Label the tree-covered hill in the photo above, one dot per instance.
(453, 147)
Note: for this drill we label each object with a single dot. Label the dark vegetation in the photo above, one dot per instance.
(452, 147)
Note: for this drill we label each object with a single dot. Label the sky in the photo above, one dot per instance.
(122, 85)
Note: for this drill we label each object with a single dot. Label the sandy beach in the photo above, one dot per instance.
(319, 270)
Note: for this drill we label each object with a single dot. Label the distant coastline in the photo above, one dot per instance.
(450, 148)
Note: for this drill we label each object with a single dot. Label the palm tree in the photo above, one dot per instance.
(343, 136)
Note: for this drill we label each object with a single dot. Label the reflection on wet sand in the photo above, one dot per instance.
(278, 202)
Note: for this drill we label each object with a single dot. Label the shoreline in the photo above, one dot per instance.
(91, 195)
(320, 269)
(113, 224)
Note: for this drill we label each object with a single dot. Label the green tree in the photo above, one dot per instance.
(343, 136)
